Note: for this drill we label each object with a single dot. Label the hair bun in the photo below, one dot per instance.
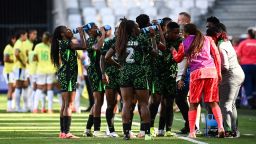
(124, 19)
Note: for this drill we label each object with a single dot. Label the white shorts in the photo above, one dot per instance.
(79, 80)
(32, 78)
(19, 74)
(9, 77)
(42, 79)
(27, 75)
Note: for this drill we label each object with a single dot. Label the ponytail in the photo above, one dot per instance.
(198, 42)
(125, 30)
(55, 45)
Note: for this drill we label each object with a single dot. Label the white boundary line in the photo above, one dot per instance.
(178, 136)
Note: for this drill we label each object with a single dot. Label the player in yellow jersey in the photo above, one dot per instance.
(27, 93)
(80, 78)
(8, 70)
(19, 68)
(45, 73)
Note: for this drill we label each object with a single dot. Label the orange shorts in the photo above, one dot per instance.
(207, 87)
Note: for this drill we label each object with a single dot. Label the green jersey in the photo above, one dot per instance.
(94, 72)
(137, 50)
(169, 68)
(134, 73)
(111, 70)
(93, 54)
(67, 73)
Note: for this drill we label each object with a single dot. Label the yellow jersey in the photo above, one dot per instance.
(20, 46)
(79, 62)
(8, 51)
(28, 45)
(32, 64)
(44, 64)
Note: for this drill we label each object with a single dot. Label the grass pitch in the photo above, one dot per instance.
(27, 128)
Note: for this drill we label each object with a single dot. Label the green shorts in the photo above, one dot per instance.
(95, 77)
(155, 86)
(153, 76)
(67, 81)
(132, 75)
(113, 77)
(168, 87)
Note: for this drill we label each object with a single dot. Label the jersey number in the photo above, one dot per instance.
(44, 56)
(129, 58)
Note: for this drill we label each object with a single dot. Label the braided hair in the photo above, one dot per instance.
(57, 35)
(125, 30)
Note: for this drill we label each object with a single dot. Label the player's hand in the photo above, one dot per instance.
(152, 32)
(219, 79)
(118, 65)
(155, 22)
(105, 79)
(171, 49)
(81, 78)
(161, 46)
(102, 30)
(24, 65)
(80, 29)
(180, 84)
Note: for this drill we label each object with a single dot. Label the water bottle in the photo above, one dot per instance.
(146, 29)
(158, 21)
(75, 31)
(86, 28)
(107, 27)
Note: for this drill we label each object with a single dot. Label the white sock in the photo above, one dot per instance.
(50, 99)
(37, 97)
(13, 100)
(60, 98)
(9, 104)
(32, 99)
(142, 132)
(25, 98)
(30, 92)
(77, 100)
(17, 94)
(42, 99)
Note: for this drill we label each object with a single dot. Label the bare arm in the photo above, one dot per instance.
(17, 55)
(108, 58)
(100, 42)
(162, 39)
(102, 68)
(154, 46)
(35, 58)
(153, 40)
(83, 45)
(7, 59)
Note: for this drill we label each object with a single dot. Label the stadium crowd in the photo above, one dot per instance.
(146, 63)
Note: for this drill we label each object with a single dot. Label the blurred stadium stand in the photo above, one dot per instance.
(237, 15)
(47, 14)
(110, 11)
